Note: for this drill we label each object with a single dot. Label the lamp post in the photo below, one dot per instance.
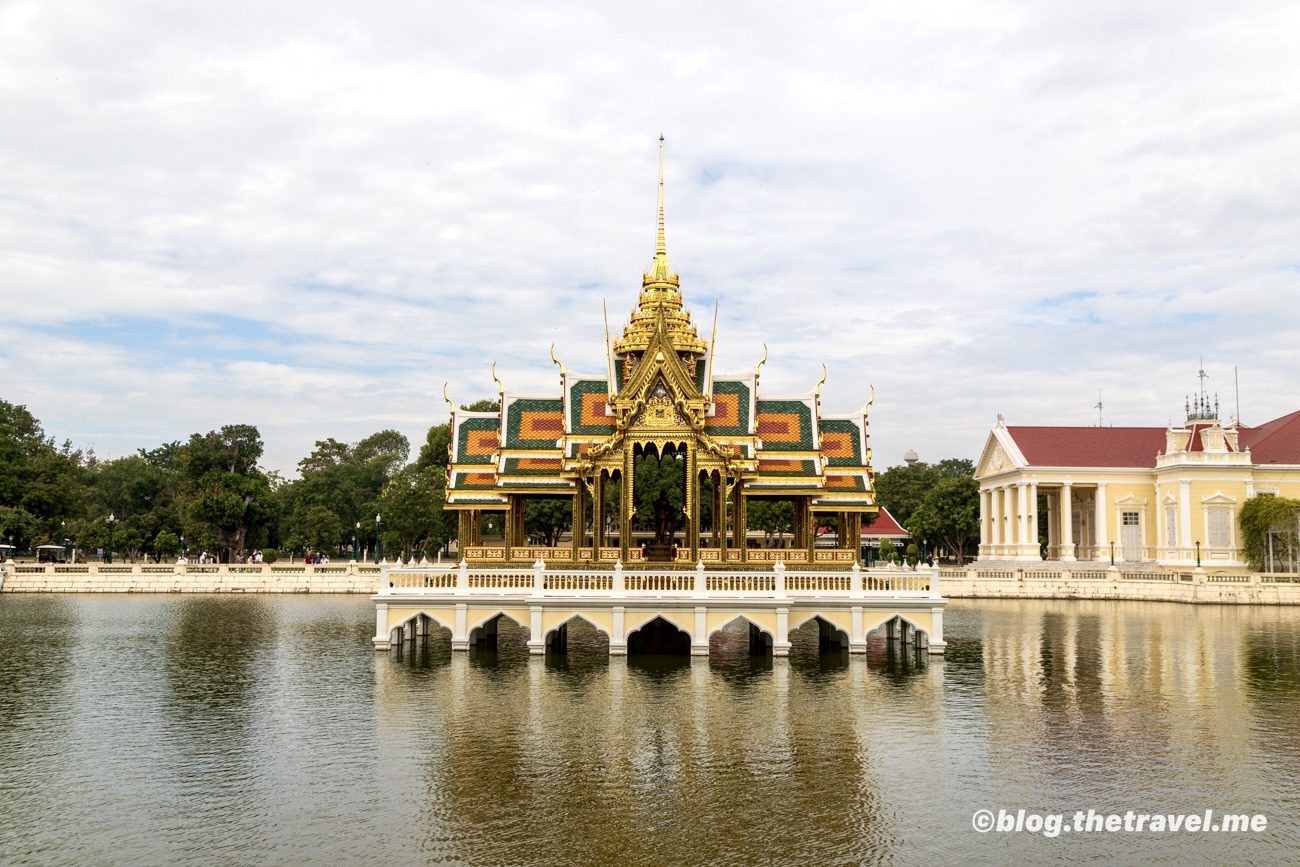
(378, 521)
(355, 534)
(1198, 553)
(1112, 553)
(64, 529)
(112, 519)
(184, 550)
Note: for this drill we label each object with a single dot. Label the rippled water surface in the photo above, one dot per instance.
(263, 730)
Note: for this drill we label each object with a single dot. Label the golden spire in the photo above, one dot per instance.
(660, 270)
(661, 247)
(660, 297)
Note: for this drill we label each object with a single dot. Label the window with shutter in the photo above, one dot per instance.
(1220, 531)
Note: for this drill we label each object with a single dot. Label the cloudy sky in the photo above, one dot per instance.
(308, 216)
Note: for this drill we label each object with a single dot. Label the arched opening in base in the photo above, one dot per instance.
(577, 637)
(897, 647)
(819, 636)
(659, 638)
(420, 635)
(740, 638)
(499, 634)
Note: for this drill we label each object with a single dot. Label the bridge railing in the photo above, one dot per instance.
(463, 579)
(265, 569)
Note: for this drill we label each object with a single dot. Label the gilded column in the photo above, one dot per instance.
(578, 528)
(464, 534)
(625, 502)
(597, 514)
(810, 528)
(740, 522)
(693, 499)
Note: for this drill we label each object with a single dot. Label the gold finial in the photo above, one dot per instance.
(761, 362)
(661, 245)
(713, 342)
(450, 406)
(817, 389)
(609, 358)
(557, 361)
(501, 386)
(869, 402)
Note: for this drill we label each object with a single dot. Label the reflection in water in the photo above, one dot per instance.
(231, 730)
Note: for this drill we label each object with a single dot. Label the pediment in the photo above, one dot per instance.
(1130, 500)
(660, 364)
(1000, 455)
(1219, 499)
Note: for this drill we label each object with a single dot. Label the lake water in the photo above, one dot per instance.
(264, 730)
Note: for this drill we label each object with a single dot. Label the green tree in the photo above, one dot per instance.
(226, 495)
(888, 552)
(1270, 532)
(412, 510)
(435, 453)
(659, 479)
(949, 513)
(166, 545)
(773, 517)
(42, 487)
(547, 518)
(321, 530)
(482, 406)
(901, 489)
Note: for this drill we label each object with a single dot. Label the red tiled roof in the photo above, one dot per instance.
(1274, 442)
(1089, 446)
(884, 525)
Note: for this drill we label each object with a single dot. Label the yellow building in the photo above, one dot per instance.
(1158, 496)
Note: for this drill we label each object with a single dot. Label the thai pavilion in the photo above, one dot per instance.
(658, 399)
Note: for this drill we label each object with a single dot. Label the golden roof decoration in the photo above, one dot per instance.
(660, 298)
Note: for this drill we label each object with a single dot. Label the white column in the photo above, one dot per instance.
(460, 632)
(1037, 553)
(381, 640)
(1008, 521)
(781, 644)
(995, 500)
(1053, 528)
(618, 637)
(536, 641)
(986, 516)
(1102, 525)
(1067, 525)
(857, 640)
(1022, 520)
(700, 642)
(937, 644)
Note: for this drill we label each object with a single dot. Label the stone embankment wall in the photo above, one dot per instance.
(1114, 583)
(162, 578)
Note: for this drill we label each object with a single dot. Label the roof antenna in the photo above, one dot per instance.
(1098, 408)
(1236, 393)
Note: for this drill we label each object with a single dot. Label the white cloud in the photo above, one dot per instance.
(310, 216)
